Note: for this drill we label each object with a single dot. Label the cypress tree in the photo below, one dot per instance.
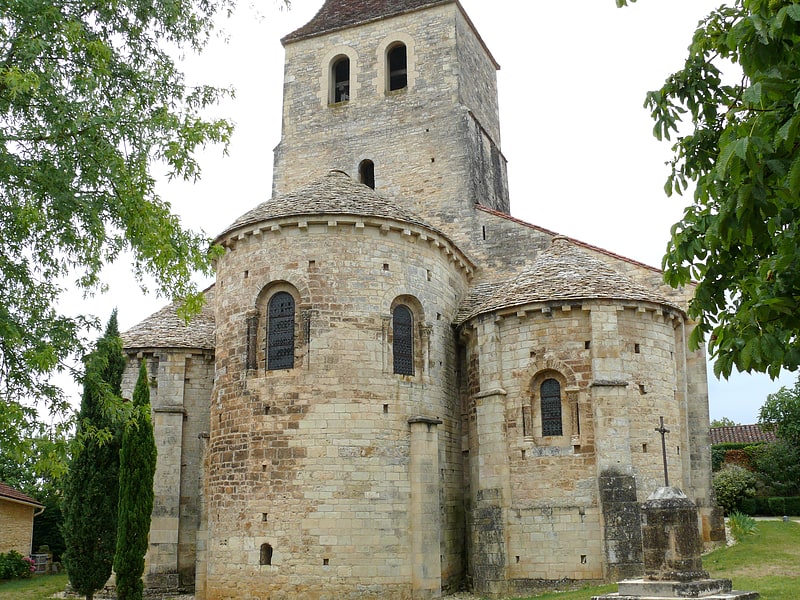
(91, 489)
(137, 468)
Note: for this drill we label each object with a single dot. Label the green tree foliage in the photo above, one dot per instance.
(723, 422)
(777, 465)
(91, 489)
(136, 470)
(781, 414)
(47, 528)
(732, 484)
(739, 145)
(33, 459)
(91, 101)
(719, 453)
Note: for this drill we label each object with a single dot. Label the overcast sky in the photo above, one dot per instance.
(582, 159)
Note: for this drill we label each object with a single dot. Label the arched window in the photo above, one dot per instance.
(366, 172)
(397, 63)
(266, 555)
(403, 340)
(280, 332)
(550, 392)
(340, 79)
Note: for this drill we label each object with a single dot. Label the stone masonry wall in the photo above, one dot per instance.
(16, 523)
(180, 393)
(617, 366)
(435, 144)
(314, 461)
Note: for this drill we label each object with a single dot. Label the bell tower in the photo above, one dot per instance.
(401, 95)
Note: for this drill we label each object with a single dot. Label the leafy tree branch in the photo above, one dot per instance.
(738, 145)
(91, 100)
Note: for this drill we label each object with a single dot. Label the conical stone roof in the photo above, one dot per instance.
(165, 329)
(561, 273)
(334, 194)
(337, 14)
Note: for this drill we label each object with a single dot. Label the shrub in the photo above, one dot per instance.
(741, 525)
(719, 453)
(748, 506)
(717, 457)
(762, 506)
(778, 468)
(732, 484)
(777, 506)
(793, 506)
(15, 566)
(770, 507)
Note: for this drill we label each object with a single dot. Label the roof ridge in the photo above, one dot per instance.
(339, 14)
(6, 491)
(741, 434)
(333, 193)
(562, 272)
(575, 241)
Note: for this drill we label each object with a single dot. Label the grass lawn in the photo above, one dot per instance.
(767, 562)
(38, 587)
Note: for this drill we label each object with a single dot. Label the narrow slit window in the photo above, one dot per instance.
(397, 59)
(252, 343)
(366, 172)
(403, 340)
(265, 557)
(340, 72)
(551, 407)
(280, 336)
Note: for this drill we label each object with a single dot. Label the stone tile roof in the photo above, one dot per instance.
(336, 14)
(334, 194)
(563, 272)
(164, 329)
(741, 434)
(6, 491)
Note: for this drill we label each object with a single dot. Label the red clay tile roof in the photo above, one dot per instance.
(337, 14)
(741, 434)
(6, 491)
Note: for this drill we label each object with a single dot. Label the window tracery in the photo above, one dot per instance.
(550, 407)
(280, 332)
(403, 340)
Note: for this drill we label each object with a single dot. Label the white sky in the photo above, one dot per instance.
(582, 159)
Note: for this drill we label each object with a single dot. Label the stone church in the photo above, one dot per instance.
(396, 388)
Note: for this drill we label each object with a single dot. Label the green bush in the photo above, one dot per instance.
(762, 506)
(778, 467)
(732, 484)
(793, 506)
(748, 506)
(741, 525)
(15, 566)
(718, 452)
(777, 506)
(770, 507)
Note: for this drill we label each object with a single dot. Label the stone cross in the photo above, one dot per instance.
(662, 430)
